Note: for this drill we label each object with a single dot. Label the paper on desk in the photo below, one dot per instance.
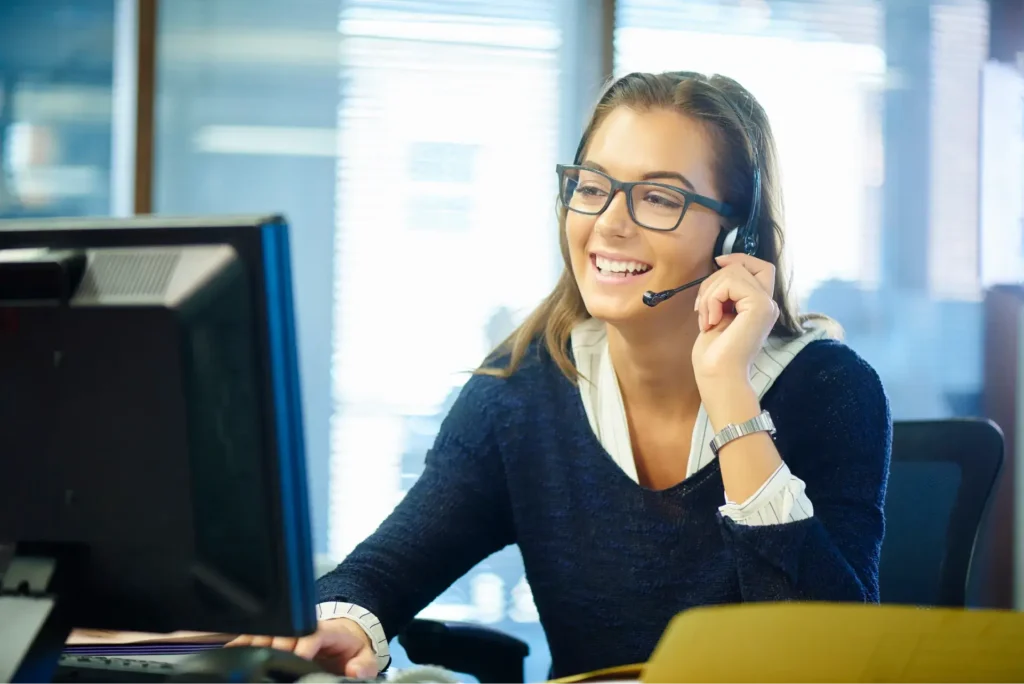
(99, 637)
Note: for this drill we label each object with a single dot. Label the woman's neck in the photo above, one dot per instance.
(654, 367)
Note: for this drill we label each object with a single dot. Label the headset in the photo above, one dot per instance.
(746, 236)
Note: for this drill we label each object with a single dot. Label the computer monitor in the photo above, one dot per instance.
(152, 473)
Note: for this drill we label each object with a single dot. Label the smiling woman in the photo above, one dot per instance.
(677, 473)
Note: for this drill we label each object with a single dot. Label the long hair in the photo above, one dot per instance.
(741, 137)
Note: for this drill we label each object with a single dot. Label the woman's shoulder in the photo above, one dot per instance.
(536, 377)
(829, 375)
(491, 407)
(827, 358)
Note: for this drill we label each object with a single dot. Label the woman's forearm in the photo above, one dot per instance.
(749, 461)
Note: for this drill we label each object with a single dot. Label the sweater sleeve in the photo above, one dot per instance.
(455, 515)
(835, 414)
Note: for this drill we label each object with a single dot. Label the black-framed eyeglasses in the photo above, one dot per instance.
(652, 205)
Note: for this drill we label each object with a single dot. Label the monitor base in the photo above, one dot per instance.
(33, 628)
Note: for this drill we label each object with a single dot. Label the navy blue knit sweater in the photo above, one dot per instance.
(611, 562)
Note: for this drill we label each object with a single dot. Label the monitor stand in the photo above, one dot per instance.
(33, 627)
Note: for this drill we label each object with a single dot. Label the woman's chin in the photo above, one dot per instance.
(618, 308)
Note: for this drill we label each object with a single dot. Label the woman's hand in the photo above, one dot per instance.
(735, 312)
(339, 646)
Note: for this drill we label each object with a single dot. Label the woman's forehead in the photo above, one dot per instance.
(630, 144)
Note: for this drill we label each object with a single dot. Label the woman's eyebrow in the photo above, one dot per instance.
(653, 175)
(670, 174)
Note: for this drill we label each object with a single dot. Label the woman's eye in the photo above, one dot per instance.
(660, 200)
(591, 191)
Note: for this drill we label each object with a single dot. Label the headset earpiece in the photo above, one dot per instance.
(744, 238)
(731, 241)
(726, 242)
(750, 245)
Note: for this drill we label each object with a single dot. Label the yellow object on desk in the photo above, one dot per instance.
(622, 673)
(823, 642)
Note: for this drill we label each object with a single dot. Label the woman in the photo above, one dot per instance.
(587, 437)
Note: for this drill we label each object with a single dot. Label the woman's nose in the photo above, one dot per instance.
(615, 220)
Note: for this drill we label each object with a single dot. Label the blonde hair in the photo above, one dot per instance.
(741, 136)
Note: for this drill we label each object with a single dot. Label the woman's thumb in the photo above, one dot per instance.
(362, 666)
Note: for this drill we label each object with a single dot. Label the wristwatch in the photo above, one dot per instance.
(761, 423)
(338, 610)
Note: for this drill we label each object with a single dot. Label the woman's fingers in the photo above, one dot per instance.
(732, 289)
(762, 271)
(700, 304)
(308, 646)
(262, 641)
(338, 646)
(283, 643)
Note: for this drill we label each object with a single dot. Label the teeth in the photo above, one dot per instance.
(620, 266)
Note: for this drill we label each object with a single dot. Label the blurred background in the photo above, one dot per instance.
(379, 127)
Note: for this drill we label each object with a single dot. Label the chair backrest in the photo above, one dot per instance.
(940, 481)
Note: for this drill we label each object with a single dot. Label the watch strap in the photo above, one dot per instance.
(759, 423)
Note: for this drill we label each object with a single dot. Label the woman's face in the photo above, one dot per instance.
(614, 260)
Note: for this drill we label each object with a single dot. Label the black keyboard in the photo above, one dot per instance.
(73, 668)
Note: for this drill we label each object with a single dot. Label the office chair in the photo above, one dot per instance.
(940, 480)
(488, 654)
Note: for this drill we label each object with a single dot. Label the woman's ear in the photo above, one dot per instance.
(719, 242)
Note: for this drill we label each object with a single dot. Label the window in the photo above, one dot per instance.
(56, 102)
(873, 203)
(378, 127)
(443, 102)
(246, 121)
(441, 214)
(440, 195)
(440, 162)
